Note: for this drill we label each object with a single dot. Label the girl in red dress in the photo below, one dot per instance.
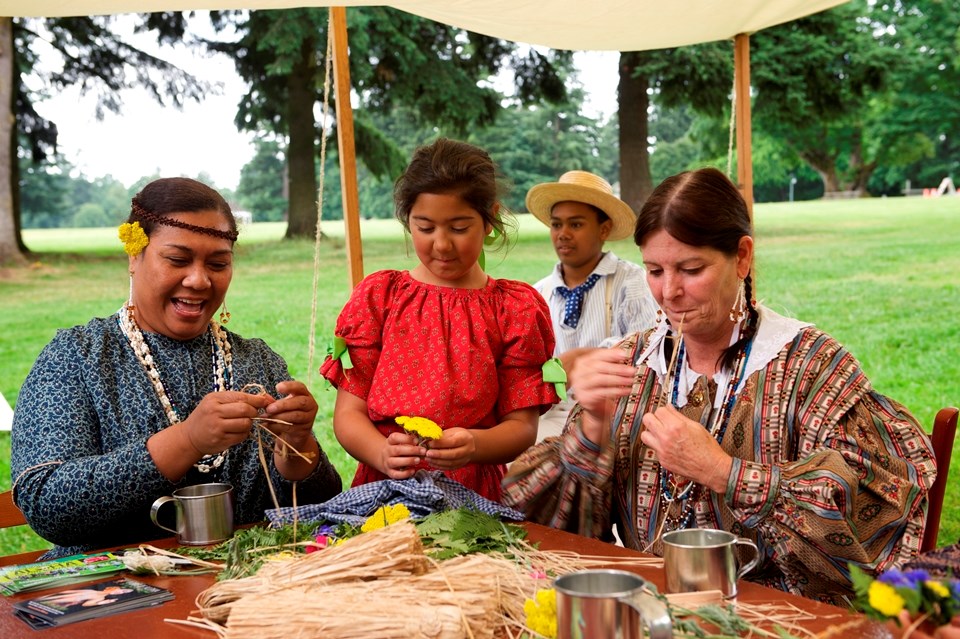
(444, 340)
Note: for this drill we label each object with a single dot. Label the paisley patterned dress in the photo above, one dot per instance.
(460, 357)
(826, 471)
(84, 478)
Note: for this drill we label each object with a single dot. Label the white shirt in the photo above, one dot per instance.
(631, 306)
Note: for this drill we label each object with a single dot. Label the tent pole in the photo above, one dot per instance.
(741, 70)
(345, 142)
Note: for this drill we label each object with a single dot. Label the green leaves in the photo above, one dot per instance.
(458, 532)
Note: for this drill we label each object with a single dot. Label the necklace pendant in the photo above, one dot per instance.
(696, 400)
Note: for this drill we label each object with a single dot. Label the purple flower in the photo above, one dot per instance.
(955, 587)
(909, 579)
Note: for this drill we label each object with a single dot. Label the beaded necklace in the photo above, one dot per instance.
(221, 357)
(688, 492)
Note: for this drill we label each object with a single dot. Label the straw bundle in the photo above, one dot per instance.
(381, 584)
(386, 552)
(459, 598)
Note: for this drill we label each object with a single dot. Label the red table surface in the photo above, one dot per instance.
(150, 623)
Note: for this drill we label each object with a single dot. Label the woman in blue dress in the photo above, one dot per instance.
(127, 408)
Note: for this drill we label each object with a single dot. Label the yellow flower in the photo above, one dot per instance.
(133, 237)
(885, 599)
(425, 428)
(281, 556)
(541, 612)
(384, 516)
(937, 588)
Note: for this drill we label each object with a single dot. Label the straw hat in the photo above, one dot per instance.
(581, 186)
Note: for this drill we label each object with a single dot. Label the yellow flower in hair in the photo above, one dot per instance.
(421, 426)
(133, 237)
(384, 516)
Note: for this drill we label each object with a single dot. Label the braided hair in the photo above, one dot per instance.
(703, 208)
(165, 196)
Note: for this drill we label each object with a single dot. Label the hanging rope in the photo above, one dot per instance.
(328, 62)
(733, 124)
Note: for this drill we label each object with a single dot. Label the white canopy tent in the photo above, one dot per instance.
(601, 25)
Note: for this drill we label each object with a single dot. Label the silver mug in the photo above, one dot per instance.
(608, 604)
(698, 559)
(204, 513)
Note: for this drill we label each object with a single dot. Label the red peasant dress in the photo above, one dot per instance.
(460, 357)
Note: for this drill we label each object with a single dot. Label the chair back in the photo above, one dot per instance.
(944, 432)
(10, 515)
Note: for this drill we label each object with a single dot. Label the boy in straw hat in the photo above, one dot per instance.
(595, 298)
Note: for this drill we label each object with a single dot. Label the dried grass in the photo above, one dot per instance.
(382, 584)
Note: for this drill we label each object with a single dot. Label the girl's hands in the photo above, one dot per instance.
(400, 455)
(455, 449)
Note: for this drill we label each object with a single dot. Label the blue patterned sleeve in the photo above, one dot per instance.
(70, 489)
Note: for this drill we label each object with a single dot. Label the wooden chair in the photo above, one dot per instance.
(944, 432)
(10, 515)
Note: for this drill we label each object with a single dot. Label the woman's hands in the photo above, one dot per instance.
(224, 419)
(221, 420)
(601, 377)
(950, 631)
(296, 406)
(686, 448)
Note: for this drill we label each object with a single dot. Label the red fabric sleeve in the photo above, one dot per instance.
(361, 324)
(528, 342)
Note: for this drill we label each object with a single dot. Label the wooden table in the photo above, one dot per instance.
(150, 624)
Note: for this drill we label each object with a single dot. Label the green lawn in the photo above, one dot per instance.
(879, 274)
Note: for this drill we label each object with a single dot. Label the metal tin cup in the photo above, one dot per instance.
(608, 604)
(699, 559)
(204, 513)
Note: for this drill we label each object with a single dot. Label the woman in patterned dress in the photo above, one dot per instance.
(442, 341)
(127, 408)
(727, 415)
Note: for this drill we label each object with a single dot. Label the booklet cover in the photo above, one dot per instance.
(57, 572)
(96, 600)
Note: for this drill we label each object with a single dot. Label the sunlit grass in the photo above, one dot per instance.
(880, 275)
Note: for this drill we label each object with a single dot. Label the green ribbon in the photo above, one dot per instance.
(487, 241)
(553, 373)
(338, 350)
(490, 239)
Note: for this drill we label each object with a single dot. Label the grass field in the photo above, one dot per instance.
(880, 275)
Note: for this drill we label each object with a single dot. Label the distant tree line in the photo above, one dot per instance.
(860, 98)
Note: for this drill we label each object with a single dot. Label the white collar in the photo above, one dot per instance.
(773, 332)
(606, 266)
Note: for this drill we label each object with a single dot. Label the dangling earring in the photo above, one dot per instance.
(224, 313)
(739, 304)
(130, 294)
(659, 316)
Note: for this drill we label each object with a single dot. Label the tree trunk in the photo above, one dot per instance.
(826, 166)
(302, 172)
(9, 246)
(633, 102)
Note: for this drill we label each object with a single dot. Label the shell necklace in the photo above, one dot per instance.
(222, 358)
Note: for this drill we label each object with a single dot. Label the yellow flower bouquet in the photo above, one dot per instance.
(928, 601)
